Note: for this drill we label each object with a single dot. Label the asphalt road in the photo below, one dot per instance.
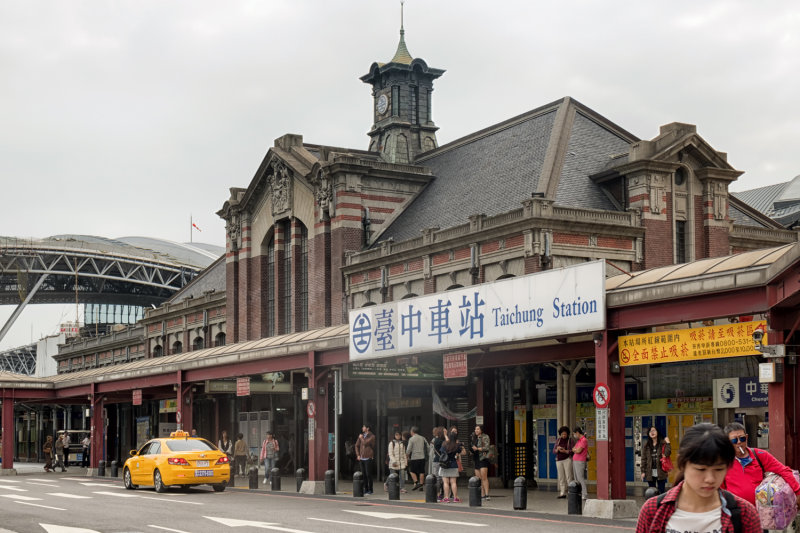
(71, 504)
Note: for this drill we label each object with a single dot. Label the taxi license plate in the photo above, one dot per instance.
(202, 463)
(203, 473)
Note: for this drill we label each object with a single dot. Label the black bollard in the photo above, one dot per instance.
(300, 476)
(114, 469)
(474, 491)
(393, 486)
(358, 485)
(574, 500)
(231, 482)
(520, 494)
(252, 476)
(650, 492)
(275, 479)
(330, 482)
(101, 468)
(431, 489)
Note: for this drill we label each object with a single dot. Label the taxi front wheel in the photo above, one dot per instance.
(158, 482)
(126, 478)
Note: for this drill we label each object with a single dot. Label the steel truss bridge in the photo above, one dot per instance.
(81, 269)
(20, 360)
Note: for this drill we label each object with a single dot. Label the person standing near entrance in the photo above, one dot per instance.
(580, 455)
(239, 455)
(563, 453)
(751, 465)
(480, 450)
(653, 450)
(47, 451)
(269, 454)
(226, 445)
(416, 458)
(398, 460)
(60, 453)
(365, 454)
(86, 444)
(67, 443)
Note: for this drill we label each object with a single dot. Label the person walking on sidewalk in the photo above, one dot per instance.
(398, 460)
(60, 453)
(47, 451)
(416, 458)
(365, 454)
(751, 465)
(697, 502)
(480, 450)
(580, 455)
(563, 453)
(436, 466)
(269, 454)
(653, 450)
(86, 445)
(239, 455)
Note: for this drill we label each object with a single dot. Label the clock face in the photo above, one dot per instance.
(382, 104)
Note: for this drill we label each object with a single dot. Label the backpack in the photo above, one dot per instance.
(730, 503)
(491, 455)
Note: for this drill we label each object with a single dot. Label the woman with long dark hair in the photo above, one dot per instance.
(654, 448)
(696, 502)
(448, 462)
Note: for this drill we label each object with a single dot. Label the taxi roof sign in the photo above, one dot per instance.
(179, 433)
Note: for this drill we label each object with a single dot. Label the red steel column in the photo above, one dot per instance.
(611, 453)
(783, 409)
(96, 453)
(8, 429)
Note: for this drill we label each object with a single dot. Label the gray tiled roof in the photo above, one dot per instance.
(762, 198)
(491, 173)
(590, 148)
(741, 218)
(210, 279)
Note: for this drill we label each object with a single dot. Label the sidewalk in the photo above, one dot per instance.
(543, 499)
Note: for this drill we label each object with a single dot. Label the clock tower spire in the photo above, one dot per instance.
(402, 90)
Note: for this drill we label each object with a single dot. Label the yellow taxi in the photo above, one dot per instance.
(178, 460)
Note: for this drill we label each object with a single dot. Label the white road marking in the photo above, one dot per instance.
(72, 478)
(20, 497)
(117, 494)
(107, 485)
(371, 526)
(166, 499)
(18, 489)
(6, 480)
(52, 528)
(424, 518)
(45, 480)
(233, 522)
(43, 484)
(168, 529)
(40, 505)
(67, 495)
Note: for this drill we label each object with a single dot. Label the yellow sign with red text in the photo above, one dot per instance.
(694, 344)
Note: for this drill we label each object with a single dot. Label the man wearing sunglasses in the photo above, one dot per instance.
(751, 465)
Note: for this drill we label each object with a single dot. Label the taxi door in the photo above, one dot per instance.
(148, 463)
(136, 464)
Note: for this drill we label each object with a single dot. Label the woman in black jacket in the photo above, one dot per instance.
(654, 448)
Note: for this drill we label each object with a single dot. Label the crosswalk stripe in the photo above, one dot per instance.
(19, 497)
(18, 489)
(67, 495)
(40, 505)
(117, 494)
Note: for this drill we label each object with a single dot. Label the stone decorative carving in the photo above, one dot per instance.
(323, 193)
(720, 201)
(234, 229)
(656, 189)
(281, 183)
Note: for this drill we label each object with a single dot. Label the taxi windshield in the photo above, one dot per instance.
(189, 445)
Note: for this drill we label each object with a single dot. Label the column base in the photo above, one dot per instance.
(8, 471)
(312, 487)
(611, 509)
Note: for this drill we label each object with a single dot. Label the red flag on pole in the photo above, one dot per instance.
(195, 227)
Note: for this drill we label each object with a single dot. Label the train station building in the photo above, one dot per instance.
(498, 279)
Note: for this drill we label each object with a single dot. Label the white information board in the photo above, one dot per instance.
(601, 417)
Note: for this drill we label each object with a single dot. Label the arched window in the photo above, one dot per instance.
(177, 347)
(219, 340)
(158, 351)
(197, 343)
(286, 282)
(270, 310)
(302, 278)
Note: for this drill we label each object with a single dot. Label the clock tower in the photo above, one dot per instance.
(402, 90)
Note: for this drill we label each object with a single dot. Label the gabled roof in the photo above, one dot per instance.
(780, 201)
(550, 150)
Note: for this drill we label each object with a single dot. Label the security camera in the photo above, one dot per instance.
(758, 337)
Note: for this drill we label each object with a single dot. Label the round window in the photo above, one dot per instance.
(680, 176)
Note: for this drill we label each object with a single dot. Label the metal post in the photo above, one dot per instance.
(275, 479)
(520, 494)
(358, 485)
(252, 475)
(330, 482)
(574, 498)
(431, 489)
(337, 411)
(474, 491)
(114, 469)
(393, 486)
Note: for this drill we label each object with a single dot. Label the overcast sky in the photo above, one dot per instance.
(129, 117)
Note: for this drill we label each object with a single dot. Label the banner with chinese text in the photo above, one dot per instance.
(712, 342)
(558, 302)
